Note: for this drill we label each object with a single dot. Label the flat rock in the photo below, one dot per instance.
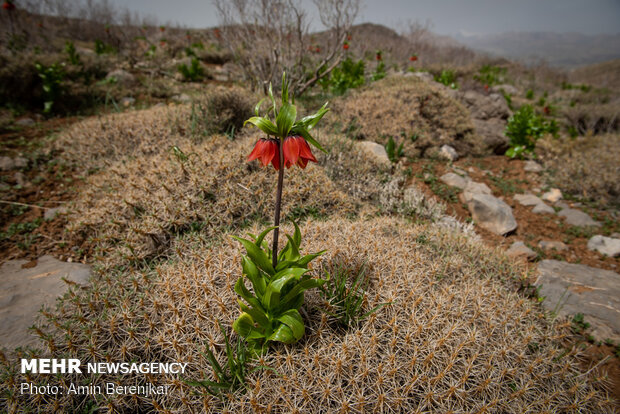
(25, 289)
(8, 163)
(51, 213)
(472, 188)
(548, 245)
(519, 249)
(492, 213)
(527, 199)
(574, 288)
(552, 195)
(25, 122)
(375, 151)
(605, 245)
(122, 77)
(543, 208)
(532, 166)
(448, 153)
(576, 217)
(454, 180)
(492, 133)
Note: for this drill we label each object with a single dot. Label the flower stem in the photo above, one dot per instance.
(276, 220)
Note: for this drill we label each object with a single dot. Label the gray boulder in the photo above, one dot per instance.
(605, 245)
(569, 289)
(454, 180)
(520, 250)
(484, 106)
(375, 151)
(448, 153)
(576, 217)
(25, 289)
(492, 133)
(492, 213)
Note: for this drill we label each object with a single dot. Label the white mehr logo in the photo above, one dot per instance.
(51, 366)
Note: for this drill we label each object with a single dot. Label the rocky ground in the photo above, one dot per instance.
(569, 249)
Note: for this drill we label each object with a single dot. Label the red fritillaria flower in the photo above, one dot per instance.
(296, 151)
(413, 58)
(8, 5)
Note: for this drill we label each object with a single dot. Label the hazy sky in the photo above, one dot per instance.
(446, 16)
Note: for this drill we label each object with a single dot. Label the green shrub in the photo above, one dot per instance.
(448, 78)
(524, 128)
(345, 293)
(379, 73)
(74, 58)
(490, 75)
(394, 153)
(52, 77)
(529, 94)
(346, 76)
(101, 48)
(194, 72)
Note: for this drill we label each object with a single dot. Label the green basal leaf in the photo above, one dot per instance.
(244, 325)
(252, 273)
(257, 315)
(297, 236)
(242, 291)
(292, 319)
(303, 262)
(306, 135)
(271, 298)
(257, 255)
(298, 289)
(263, 124)
(285, 119)
(293, 253)
(282, 254)
(282, 334)
(259, 240)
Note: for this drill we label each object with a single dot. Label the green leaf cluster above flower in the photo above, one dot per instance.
(271, 311)
(286, 123)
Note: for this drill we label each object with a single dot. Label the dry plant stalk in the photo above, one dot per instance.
(268, 37)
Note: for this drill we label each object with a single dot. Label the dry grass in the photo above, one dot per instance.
(586, 166)
(455, 338)
(411, 111)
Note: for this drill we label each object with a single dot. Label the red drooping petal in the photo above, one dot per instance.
(304, 150)
(302, 162)
(268, 152)
(257, 151)
(291, 151)
(276, 160)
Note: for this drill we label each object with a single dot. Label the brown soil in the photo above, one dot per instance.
(47, 185)
(532, 228)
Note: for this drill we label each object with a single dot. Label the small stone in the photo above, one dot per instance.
(182, 98)
(25, 122)
(577, 218)
(543, 208)
(454, 180)
(547, 245)
(127, 101)
(527, 199)
(532, 166)
(505, 88)
(20, 178)
(615, 235)
(449, 153)
(605, 245)
(552, 195)
(492, 213)
(536, 190)
(8, 163)
(375, 151)
(472, 188)
(122, 77)
(51, 213)
(519, 249)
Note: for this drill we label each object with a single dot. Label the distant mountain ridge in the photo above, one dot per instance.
(558, 49)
